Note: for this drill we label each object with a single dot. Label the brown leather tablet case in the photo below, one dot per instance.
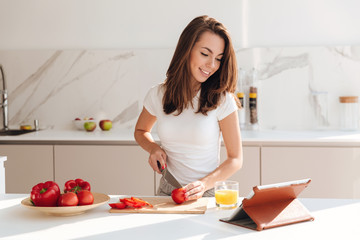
(272, 206)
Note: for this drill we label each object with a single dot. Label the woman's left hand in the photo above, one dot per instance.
(194, 190)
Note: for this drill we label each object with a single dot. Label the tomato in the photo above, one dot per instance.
(45, 194)
(68, 199)
(178, 195)
(85, 197)
(119, 205)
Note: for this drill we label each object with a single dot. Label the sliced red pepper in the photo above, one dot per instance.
(139, 200)
(135, 202)
(119, 205)
(131, 203)
(77, 185)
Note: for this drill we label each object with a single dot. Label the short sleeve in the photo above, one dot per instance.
(151, 101)
(227, 107)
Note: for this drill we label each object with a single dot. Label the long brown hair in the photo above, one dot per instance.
(178, 93)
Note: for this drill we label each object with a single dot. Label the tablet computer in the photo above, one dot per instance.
(271, 205)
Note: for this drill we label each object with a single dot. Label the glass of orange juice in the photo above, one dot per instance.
(226, 194)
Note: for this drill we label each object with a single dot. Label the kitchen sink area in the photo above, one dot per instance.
(14, 132)
(4, 105)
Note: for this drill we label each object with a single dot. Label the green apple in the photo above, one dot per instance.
(105, 124)
(89, 126)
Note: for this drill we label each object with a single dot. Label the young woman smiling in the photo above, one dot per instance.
(193, 107)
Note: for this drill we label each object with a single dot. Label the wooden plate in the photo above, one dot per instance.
(99, 199)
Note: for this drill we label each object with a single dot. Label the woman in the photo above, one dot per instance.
(192, 108)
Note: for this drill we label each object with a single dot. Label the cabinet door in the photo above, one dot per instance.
(249, 175)
(26, 166)
(334, 171)
(109, 169)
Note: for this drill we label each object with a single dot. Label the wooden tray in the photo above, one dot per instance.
(167, 205)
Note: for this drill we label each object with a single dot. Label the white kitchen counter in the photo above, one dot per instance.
(334, 219)
(250, 138)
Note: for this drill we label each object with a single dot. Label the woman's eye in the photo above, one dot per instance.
(204, 54)
(219, 59)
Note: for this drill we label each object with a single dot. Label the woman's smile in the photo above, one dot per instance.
(206, 73)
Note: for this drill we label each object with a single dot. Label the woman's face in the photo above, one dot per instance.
(205, 57)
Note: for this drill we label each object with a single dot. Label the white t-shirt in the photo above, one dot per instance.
(191, 140)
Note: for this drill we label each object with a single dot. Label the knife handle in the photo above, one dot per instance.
(159, 166)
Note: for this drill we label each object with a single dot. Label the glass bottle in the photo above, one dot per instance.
(349, 113)
(241, 96)
(253, 101)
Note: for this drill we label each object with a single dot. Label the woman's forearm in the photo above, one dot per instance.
(223, 172)
(145, 140)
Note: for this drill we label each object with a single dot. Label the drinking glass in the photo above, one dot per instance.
(226, 194)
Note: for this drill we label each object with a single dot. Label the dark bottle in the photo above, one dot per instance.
(253, 105)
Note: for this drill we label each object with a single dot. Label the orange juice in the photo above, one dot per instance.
(226, 197)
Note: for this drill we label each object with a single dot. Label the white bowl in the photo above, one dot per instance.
(79, 124)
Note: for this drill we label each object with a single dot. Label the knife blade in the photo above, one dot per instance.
(169, 178)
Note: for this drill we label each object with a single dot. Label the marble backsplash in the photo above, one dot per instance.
(56, 86)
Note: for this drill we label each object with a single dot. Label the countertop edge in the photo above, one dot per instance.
(245, 143)
(269, 138)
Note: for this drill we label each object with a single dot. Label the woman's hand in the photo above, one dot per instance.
(194, 190)
(157, 154)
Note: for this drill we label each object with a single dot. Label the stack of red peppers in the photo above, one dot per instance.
(48, 194)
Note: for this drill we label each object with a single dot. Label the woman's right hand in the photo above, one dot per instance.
(157, 154)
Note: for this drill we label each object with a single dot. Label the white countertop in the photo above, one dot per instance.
(249, 138)
(334, 219)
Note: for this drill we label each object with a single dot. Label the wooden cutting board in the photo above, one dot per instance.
(167, 205)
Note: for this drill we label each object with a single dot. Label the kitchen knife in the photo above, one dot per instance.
(168, 176)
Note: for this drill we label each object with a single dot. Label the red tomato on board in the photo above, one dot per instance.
(85, 197)
(68, 199)
(178, 195)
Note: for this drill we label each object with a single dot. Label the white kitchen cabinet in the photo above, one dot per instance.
(248, 176)
(111, 169)
(26, 166)
(335, 171)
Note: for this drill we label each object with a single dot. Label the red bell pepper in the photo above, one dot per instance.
(135, 202)
(131, 203)
(119, 205)
(145, 203)
(45, 194)
(77, 185)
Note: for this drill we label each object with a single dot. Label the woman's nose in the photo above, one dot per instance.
(211, 63)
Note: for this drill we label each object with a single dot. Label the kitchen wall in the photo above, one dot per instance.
(299, 87)
(107, 24)
(114, 24)
(91, 58)
(55, 86)
(279, 23)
